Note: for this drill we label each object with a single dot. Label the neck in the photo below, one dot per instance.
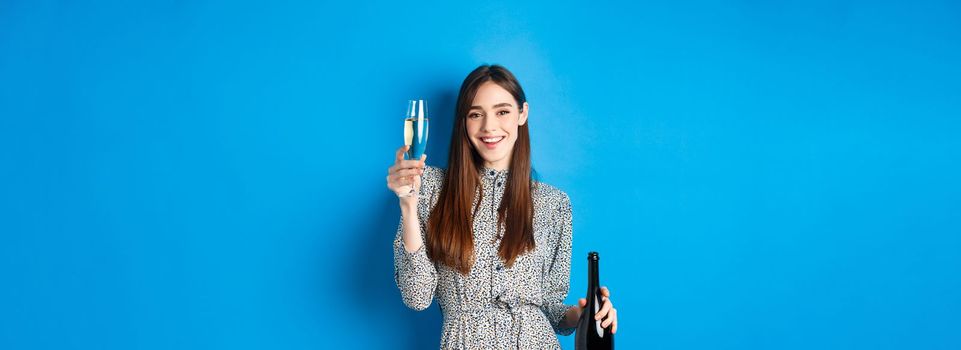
(496, 167)
(502, 164)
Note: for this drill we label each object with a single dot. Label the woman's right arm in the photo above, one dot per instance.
(414, 273)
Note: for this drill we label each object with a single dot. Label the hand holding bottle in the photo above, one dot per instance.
(607, 312)
(597, 319)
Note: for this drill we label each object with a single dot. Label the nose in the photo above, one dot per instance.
(490, 123)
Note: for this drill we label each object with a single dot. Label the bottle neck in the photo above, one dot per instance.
(592, 275)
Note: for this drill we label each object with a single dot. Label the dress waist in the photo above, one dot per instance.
(493, 307)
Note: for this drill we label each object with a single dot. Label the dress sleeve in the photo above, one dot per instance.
(556, 280)
(415, 274)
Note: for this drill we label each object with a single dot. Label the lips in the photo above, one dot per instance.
(491, 142)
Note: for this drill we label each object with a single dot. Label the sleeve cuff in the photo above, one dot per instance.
(555, 313)
(416, 260)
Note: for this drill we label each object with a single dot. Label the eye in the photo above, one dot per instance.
(504, 112)
(473, 115)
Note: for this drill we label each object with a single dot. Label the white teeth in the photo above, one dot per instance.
(492, 139)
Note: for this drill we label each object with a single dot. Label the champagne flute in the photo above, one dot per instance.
(416, 127)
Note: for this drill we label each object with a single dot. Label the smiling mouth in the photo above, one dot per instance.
(492, 141)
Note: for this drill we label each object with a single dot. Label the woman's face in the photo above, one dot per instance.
(492, 123)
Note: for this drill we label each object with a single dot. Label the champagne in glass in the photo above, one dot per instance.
(416, 127)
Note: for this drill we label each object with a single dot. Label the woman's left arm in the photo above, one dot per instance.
(566, 320)
(557, 276)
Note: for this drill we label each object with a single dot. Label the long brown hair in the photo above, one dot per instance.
(450, 238)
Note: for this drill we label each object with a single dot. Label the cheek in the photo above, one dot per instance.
(469, 129)
(512, 129)
(472, 127)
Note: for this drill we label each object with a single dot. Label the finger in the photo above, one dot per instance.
(401, 166)
(399, 154)
(405, 180)
(407, 172)
(398, 181)
(405, 164)
(582, 302)
(605, 292)
(399, 185)
(612, 316)
(604, 309)
(405, 176)
(614, 329)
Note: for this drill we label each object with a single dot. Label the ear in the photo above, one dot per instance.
(523, 117)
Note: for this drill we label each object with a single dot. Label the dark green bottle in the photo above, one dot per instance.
(590, 335)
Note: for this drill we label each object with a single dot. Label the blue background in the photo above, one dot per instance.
(210, 174)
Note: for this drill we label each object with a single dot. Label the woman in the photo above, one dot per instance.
(491, 244)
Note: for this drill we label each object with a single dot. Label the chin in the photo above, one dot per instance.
(493, 158)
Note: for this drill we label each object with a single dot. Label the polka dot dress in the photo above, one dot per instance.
(494, 307)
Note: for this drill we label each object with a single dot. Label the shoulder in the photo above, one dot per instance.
(434, 173)
(432, 180)
(550, 196)
(552, 209)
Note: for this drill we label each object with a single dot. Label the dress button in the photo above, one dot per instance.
(499, 267)
(492, 172)
(498, 184)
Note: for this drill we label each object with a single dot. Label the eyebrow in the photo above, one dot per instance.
(499, 105)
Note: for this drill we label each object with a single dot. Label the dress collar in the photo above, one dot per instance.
(490, 172)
